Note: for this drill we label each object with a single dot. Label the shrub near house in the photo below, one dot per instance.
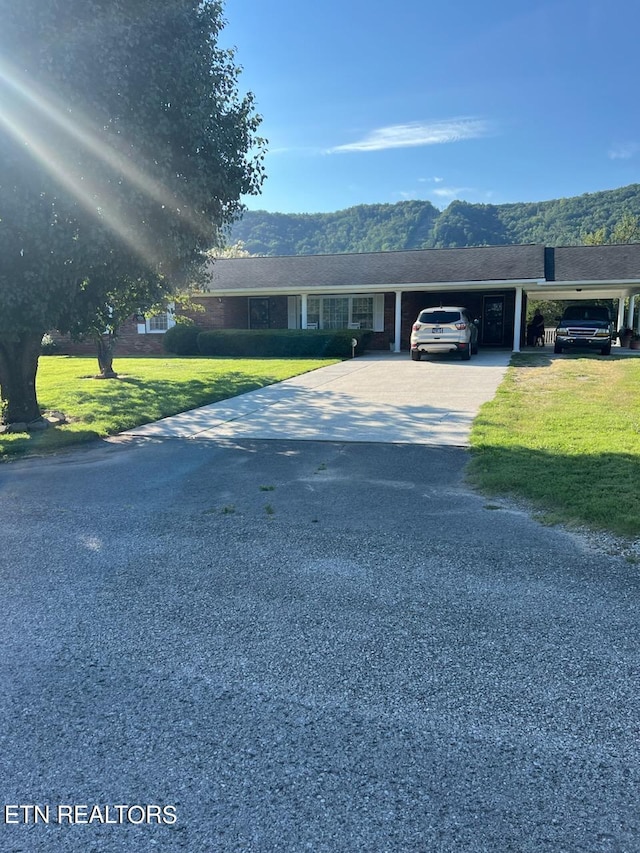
(283, 343)
(182, 339)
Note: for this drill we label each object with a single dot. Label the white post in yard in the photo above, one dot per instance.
(398, 321)
(517, 320)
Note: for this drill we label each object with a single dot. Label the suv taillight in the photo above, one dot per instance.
(461, 326)
(416, 327)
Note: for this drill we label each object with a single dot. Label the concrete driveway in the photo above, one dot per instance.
(332, 646)
(375, 398)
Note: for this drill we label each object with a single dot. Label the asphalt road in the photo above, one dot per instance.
(306, 645)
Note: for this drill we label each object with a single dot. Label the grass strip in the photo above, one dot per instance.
(564, 433)
(148, 388)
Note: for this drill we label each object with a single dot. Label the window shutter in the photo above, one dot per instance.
(293, 312)
(171, 315)
(378, 312)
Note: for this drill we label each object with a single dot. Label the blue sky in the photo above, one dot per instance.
(496, 101)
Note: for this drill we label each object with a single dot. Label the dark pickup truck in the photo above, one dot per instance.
(585, 326)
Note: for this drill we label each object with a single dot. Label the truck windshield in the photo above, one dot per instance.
(586, 312)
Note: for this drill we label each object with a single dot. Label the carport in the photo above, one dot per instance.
(586, 273)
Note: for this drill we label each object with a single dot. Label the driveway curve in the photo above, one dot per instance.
(380, 398)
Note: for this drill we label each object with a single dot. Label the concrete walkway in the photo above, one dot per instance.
(379, 397)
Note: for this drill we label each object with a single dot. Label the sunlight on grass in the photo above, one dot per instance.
(565, 434)
(147, 389)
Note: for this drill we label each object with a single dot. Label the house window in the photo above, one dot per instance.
(157, 324)
(259, 313)
(313, 311)
(342, 312)
(335, 312)
(362, 311)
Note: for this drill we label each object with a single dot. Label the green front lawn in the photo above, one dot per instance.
(564, 433)
(148, 389)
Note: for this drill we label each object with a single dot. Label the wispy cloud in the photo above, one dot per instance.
(450, 192)
(624, 150)
(445, 193)
(282, 150)
(416, 134)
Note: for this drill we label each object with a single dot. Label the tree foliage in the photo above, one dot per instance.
(626, 230)
(237, 250)
(419, 225)
(365, 228)
(124, 149)
(463, 224)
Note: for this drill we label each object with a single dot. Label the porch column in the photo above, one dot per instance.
(517, 320)
(630, 313)
(398, 321)
(620, 314)
(303, 310)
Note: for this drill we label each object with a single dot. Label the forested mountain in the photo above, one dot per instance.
(420, 225)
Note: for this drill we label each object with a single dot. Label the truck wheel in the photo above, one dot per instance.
(606, 350)
(557, 349)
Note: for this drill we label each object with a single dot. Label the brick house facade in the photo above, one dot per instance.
(385, 291)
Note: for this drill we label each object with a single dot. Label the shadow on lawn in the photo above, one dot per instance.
(158, 398)
(599, 490)
(47, 441)
(129, 402)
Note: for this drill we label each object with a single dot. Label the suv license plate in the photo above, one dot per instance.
(437, 330)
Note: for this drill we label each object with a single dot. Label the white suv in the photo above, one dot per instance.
(444, 329)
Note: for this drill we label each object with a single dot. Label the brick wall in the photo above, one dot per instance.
(129, 343)
(228, 312)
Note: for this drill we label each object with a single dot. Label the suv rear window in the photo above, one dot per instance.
(440, 318)
(586, 312)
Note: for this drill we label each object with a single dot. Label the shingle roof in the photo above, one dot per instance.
(597, 263)
(300, 273)
(311, 272)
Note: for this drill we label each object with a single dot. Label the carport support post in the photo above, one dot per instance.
(620, 313)
(632, 308)
(517, 320)
(398, 321)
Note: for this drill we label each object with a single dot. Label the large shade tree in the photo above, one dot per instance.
(125, 147)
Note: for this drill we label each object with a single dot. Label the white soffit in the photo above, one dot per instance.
(583, 290)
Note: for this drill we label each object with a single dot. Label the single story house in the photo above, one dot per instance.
(384, 291)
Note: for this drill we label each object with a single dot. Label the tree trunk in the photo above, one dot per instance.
(106, 345)
(18, 367)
